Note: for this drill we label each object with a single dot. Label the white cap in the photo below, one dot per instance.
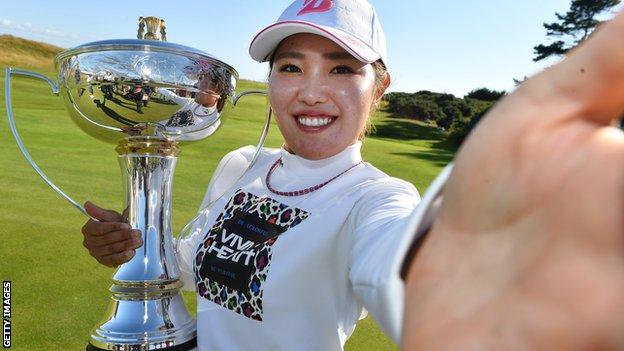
(352, 24)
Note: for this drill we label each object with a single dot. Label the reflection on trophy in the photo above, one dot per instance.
(146, 97)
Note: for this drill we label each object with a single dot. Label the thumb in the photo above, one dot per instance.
(101, 214)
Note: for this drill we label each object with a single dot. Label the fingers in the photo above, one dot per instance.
(590, 80)
(102, 214)
(115, 260)
(108, 240)
(94, 228)
(113, 248)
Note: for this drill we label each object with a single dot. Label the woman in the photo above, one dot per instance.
(198, 117)
(526, 250)
(292, 254)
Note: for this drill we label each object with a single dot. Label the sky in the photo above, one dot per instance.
(451, 46)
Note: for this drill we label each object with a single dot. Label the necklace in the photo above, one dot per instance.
(302, 191)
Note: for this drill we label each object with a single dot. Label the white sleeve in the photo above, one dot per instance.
(173, 96)
(376, 225)
(230, 168)
(386, 228)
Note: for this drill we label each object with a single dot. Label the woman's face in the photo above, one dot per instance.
(321, 95)
(206, 99)
(208, 94)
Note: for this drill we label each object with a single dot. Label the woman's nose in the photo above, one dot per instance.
(313, 90)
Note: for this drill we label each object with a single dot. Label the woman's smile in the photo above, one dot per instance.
(312, 121)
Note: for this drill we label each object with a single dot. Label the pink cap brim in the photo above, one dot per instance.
(265, 42)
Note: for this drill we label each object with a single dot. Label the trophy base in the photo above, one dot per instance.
(187, 346)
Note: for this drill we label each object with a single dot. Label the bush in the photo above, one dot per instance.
(461, 127)
(485, 94)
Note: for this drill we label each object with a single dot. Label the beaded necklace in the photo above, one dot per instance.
(302, 191)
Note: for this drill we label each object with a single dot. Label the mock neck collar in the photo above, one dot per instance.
(203, 110)
(298, 166)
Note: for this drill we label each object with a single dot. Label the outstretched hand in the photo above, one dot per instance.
(527, 252)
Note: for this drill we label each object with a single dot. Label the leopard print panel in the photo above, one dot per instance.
(233, 260)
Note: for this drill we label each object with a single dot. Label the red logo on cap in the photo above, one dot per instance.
(310, 6)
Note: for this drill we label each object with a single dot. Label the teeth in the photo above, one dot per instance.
(314, 121)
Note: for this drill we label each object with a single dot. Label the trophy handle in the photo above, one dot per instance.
(7, 98)
(265, 130)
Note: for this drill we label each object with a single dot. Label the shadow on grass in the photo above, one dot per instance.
(404, 129)
(442, 152)
(438, 157)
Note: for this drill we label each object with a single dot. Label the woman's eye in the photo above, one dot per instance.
(342, 70)
(289, 68)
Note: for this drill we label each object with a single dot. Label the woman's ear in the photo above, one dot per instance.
(381, 89)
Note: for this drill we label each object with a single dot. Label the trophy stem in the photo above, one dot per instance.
(147, 311)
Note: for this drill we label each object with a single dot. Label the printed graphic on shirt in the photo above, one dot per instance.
(181, 118)
(233, 260)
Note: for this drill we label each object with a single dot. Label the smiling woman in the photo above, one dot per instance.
(294, 252)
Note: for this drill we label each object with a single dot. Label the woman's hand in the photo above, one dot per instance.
(110, 241)
(527, 252)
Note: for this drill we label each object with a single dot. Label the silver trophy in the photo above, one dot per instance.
(147, 97)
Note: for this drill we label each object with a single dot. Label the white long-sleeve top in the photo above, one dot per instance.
(296, 272)
(192, 121)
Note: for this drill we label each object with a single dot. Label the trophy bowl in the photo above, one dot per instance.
(146, 97)
(118, 88)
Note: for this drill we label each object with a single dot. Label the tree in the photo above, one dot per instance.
(461, 127)
(577, 24)
(485, 94)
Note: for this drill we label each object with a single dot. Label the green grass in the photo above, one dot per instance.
(59, 292)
